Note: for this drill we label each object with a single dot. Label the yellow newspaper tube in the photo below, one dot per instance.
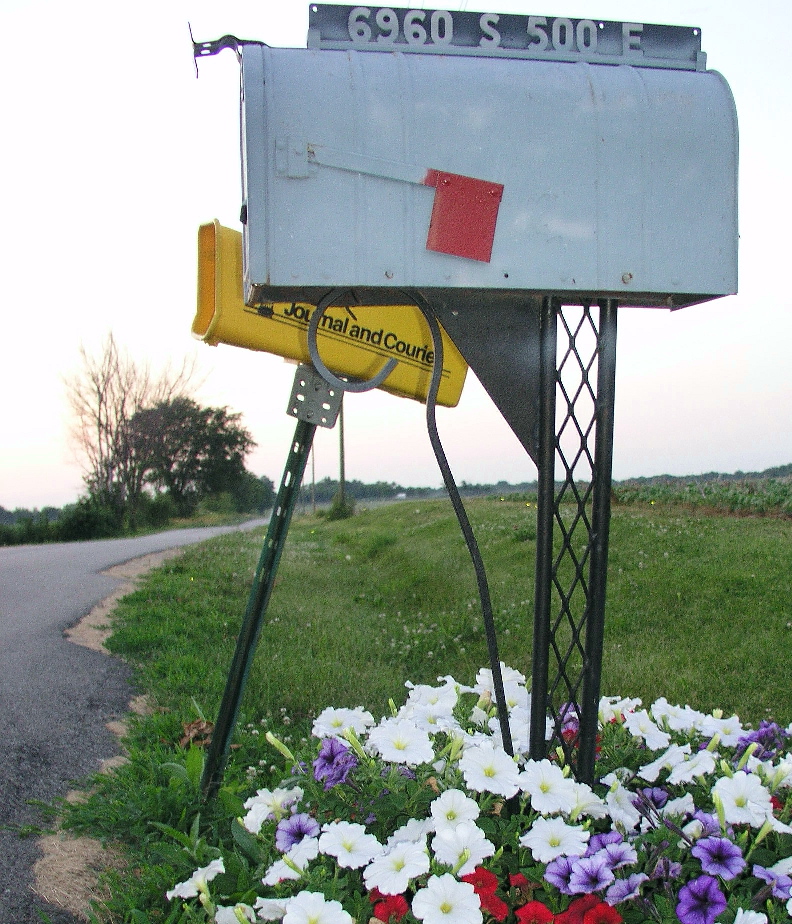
(353, 341)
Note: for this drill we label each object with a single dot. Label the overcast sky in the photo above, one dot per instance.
(113, 153)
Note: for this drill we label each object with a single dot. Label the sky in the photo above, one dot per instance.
(113, 153)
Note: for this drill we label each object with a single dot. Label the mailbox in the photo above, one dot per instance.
(462, 176)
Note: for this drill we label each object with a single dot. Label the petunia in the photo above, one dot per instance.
(700, 764)
(719, 857)
(744, 799)
(446, 900)
(462, 847)
(577, 909)
(489, 769)
(334, 763)
(292, 830)
(400, 741)
(558, 872)
(268, 804)
(334, 722)
(533, 912)
(232, 914)
(550, 791)
(314, 908)
(451, 807)
(590, 874)
(640, 725)
(780, 884)
(197, 882)
(389, 907)
(271, 909)
(392, 872)
(349, 843)
(622, 890)
(700, 901)
(485, 884)
(549, 838)
(750, 917)
(294, 862)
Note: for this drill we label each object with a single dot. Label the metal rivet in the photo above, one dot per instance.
(627, 277)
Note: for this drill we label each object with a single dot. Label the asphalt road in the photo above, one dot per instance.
(56, 697)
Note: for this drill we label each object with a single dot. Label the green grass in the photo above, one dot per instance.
(699, 610)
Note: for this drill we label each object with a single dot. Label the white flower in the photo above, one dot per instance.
(552, 837)
(444, 697)
(233, 914)
(519, 728)
(729, 730)
(677, 718)
(391, 872)
(745, 800)
(445, 900)
(700, 764)
(614, 707)
(587, 802)
(271, 909)
(349, 843)
(549, 789)
(334, 722)
(413, 832)
(619, 800)
(678, 808)
(190, 887)
(400, 741)
(489, 769)
(293, 863)
(452, 807)
(314, 908)
(641, 726)
(462, 847)
(267, 804)
(676, 754)
(749, 917)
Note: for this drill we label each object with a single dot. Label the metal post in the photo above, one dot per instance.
(600, 528)
(258, 601)
(544, 527)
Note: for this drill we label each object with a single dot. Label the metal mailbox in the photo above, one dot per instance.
(458, 176)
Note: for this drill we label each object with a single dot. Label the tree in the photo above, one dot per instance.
(191, 451)
(105, 395)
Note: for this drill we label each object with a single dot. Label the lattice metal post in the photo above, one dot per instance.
(572, 528)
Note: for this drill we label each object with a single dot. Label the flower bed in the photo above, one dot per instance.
(423, 817)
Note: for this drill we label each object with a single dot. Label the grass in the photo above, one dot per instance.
(699, 610)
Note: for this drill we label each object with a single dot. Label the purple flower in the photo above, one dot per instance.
(618, 855)
(558, 873)
(590, 874)
(700, 901)
(709, 823)
(598, 841)
(771, 738)
(778, 882)
(334, 763)
(292, 830)
(623, 890)
(667, 869)
(719, 857)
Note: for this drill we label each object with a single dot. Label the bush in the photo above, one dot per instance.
(88, 519)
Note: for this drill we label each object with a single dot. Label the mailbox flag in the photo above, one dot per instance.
(464, 214)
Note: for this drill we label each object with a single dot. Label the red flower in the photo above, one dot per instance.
(602, 913)
(518, 881)
(577, 909)
(534, 913)
(481, 879)
(389, 907)
(484, 884)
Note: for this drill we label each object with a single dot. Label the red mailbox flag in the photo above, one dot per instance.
(464, 214)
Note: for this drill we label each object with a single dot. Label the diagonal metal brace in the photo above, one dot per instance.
(258, 601)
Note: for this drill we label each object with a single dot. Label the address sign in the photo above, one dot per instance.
(554, 38)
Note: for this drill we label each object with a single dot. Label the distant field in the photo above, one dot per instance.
(699, 610)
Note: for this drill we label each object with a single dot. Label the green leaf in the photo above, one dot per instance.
(195, 765)
(247, 842)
